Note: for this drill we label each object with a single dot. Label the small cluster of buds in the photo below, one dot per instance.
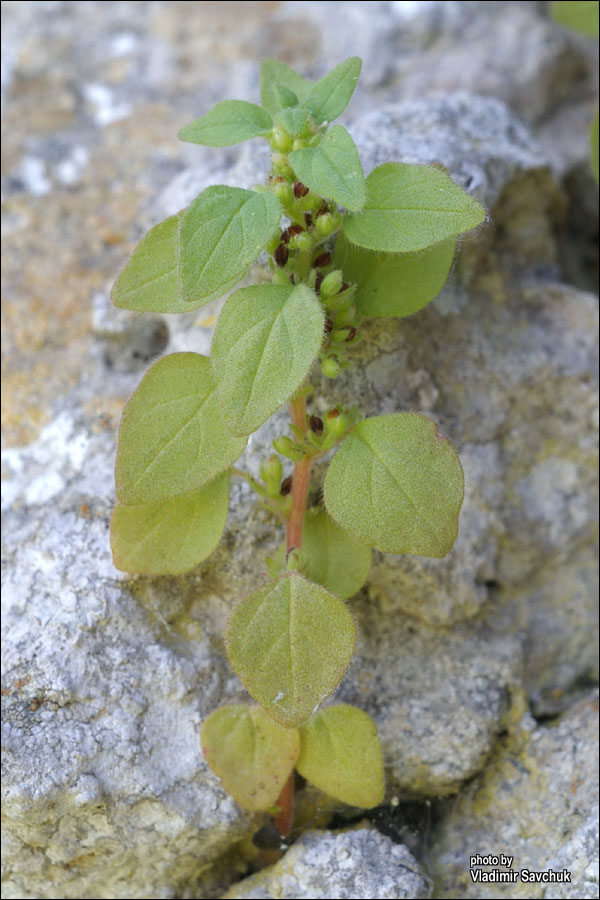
(321, 435)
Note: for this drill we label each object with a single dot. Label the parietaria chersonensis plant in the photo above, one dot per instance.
(341, 247)
(582, 16)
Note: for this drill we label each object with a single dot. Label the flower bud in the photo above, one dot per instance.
(331, 283)
(296, 560)
(289, 448)
(325, 224)
(337, 426)
(280, 139)
(283, 192)
(302, 241)
(271, 471)
(330, 367)
(281, 166)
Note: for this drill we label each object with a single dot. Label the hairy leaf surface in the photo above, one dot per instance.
(171, 536)
(332, 169)
(341, 755)
(290, 642)
(228, 122)
(395, 284)
(266, 340)
(293, 120)
(251, 754)
(149, 281)
(409, 208)
(172, 438)
(397, 485)
(220, 234)
(330, 96)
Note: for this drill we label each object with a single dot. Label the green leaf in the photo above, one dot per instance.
(251, 754)
(290, 642)
(577, 14)
(335, 558)
(220, 234)
(394, 284)
(149, 281)
(332, 169)
(172, 438)
(266, 340)
(409, 208)
(397, 485)
(229, 122)
(341, 755)
(171, 536)
(293, 120)
(330, 96)
(285, 98)
(275, 74)
(594, 147)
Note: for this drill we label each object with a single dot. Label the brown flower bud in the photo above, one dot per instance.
(323, 259)
(281, 255)
(300, 190)
(316, 425)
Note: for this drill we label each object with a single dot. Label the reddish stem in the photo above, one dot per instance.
(284, 820)
(300, 481)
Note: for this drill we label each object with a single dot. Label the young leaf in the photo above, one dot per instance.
(409, 208)
(266, 340)
(335, 558)
(394, 284)
(220, 234)
(290, 642)
(284, 97)
(172, 438)
(330, 96)
(275, 74)
(229, 122)
(293, 120)
(594, 147)
(171, 536)
(149, 281)
(397, 485)
(251, 754)
(332, 169)
(581, 15)
(341, 755)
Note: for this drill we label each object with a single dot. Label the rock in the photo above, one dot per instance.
(537, 802)
(99, 672)
(439, 696)
(358, 863)
(108, 677)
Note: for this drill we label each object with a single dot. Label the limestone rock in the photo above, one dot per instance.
(536, 801)
(359, 863)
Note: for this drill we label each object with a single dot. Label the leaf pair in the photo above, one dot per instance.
(288, 99)
(171, 474)
(199, 254)
(337, 750)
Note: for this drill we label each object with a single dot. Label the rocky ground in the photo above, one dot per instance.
(478, 669)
